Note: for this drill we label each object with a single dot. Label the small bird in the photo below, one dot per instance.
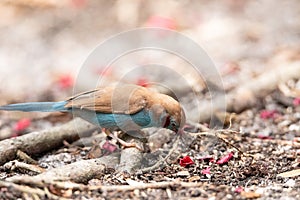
(126, 107)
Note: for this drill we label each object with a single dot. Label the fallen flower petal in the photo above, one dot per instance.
(206, 171)
(267, 114)
(142, 82)
(185, 161)
(22, 124)
(225, 159)
(109, 147)
(296, 101)
(264, 137)
(104, 71)
(79, 3)
(161, 22)
(239, 189)
(65, 81)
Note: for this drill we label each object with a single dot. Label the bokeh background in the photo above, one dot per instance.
(45, 42)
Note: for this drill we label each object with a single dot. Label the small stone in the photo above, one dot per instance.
(183, 173)
(290, 183)
(194, 178)
(294, 127)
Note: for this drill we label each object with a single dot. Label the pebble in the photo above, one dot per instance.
(294, 127)
(290, 183)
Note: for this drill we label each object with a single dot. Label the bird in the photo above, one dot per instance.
(126, 107)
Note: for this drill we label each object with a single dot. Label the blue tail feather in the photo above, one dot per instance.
(36, 106)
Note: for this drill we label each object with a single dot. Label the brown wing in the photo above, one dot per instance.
(126, 99)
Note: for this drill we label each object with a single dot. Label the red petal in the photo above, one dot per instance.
(65, 81)
(142, 82)
(264, 137)
(185, 161)
(161, 22)
(22, 124)
(296, 101)
(225, 159)
(206, 171)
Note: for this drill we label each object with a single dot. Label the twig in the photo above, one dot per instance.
(163, 160)
(81, 172)
(217, 133)
(30, 190)
(43, 141)
(23, 156)
(119, 188)
(143, 186)
(12, 165)
(246, 94)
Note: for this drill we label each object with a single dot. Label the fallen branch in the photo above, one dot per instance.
(79, 172)
(13, 165)
(247, 95)
(43, 141)
(29, 190)
(120, 188)
(143, 186)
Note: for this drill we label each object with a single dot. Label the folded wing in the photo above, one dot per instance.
(127, 99)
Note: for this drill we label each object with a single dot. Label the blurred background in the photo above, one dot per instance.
(45, 42)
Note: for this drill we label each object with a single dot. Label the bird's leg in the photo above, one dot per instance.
(124, 144)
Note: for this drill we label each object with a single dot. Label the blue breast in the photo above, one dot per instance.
(126, 122)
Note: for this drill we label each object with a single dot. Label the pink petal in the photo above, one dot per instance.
(109, 147)
(264, 137)
(79, 3)
(65, 81)
(142, 82)
(104, 71)
(206, 171)
(161, 22)
(296, 101)
(239, 189)
(225, 159)
(22, 124)
(267, 114)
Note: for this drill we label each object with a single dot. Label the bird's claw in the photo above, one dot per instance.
(126, 144)
(129, 144)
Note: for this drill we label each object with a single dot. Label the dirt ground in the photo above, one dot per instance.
(252, 154)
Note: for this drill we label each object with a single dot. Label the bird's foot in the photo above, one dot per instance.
(126, 144)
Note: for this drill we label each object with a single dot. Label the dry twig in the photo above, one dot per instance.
(30, 191)
(81, 172)
(42, 141)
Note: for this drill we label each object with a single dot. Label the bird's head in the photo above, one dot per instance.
(174, 114)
